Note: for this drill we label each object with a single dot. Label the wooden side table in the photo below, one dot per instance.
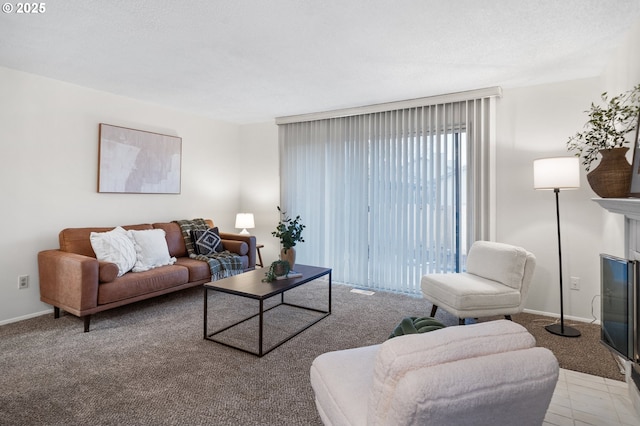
(258, 247)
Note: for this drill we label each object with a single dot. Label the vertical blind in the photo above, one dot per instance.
(389, 196)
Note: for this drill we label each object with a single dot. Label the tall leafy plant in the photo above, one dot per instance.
(608, 125)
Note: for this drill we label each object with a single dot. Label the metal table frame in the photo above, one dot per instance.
(250, 285)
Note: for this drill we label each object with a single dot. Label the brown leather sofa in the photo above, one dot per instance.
(72, 279)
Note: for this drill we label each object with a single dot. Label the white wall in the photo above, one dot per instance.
(536, 122)
(48, 173)
(260, 192)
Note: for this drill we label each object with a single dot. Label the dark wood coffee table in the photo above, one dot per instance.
(250, 285)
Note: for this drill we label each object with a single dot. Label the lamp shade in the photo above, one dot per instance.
(556, 173)
(245, 220)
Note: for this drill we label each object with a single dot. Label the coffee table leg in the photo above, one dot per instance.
(205, 312)
(329, 291)
(260, 329)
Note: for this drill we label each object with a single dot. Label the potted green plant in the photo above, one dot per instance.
(289, 231)
(279, 268)
(607, 132)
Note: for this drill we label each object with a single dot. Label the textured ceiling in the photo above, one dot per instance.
(252, 60)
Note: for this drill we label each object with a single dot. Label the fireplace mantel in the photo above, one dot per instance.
(630, 207)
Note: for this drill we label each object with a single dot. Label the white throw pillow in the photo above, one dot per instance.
(151, 249)
(115, 247)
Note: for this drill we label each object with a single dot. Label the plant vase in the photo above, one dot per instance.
(612, 177)
(280, 270)
(289, 255)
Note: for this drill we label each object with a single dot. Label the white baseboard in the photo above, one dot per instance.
(24, 317)
(566, 317)
(528, 311)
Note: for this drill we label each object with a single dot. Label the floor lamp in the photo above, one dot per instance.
(556, 174)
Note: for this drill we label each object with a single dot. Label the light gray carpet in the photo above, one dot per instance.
(147, 363)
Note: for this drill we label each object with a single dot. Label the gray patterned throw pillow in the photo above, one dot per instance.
(206, 242)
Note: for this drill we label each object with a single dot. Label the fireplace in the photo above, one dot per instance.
(618, 290)
(620, 294)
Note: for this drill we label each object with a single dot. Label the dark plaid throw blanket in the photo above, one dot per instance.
(223, 264)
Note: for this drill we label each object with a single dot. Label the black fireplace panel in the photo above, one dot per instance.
(617, 294)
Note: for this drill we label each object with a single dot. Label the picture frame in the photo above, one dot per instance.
(138, 162)
(634, 189)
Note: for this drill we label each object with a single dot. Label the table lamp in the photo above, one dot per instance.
(244, 221)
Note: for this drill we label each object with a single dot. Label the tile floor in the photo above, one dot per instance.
(583, 399)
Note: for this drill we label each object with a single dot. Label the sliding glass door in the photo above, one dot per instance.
(387, 197)
(417, 205)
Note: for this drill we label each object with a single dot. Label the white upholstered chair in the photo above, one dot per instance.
(482, 374)
(496, 282)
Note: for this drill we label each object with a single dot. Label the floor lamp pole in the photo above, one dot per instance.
(560, 329)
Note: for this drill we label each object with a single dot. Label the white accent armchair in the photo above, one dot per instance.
(496, 282)
(482, 374)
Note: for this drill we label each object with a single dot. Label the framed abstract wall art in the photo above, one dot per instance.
(138, 162)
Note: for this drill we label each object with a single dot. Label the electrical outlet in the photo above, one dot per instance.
(23, 282)
(575, 283)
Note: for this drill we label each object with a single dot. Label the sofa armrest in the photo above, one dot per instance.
(249, 239)
(68, 280)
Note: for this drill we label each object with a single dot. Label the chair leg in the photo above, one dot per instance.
(508, 317)
(434, 308)
(56, 312)
(87, 320)
(461, 321)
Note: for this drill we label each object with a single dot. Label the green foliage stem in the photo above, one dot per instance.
(288, 230)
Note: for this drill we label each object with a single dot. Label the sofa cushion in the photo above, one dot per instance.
(174, 238)
(198, 270)
(135, 284)
(402, 355)
(115, 247)
(151, 249)
(77, 240)
(468, 291)
(497, 261)
(245, 262)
